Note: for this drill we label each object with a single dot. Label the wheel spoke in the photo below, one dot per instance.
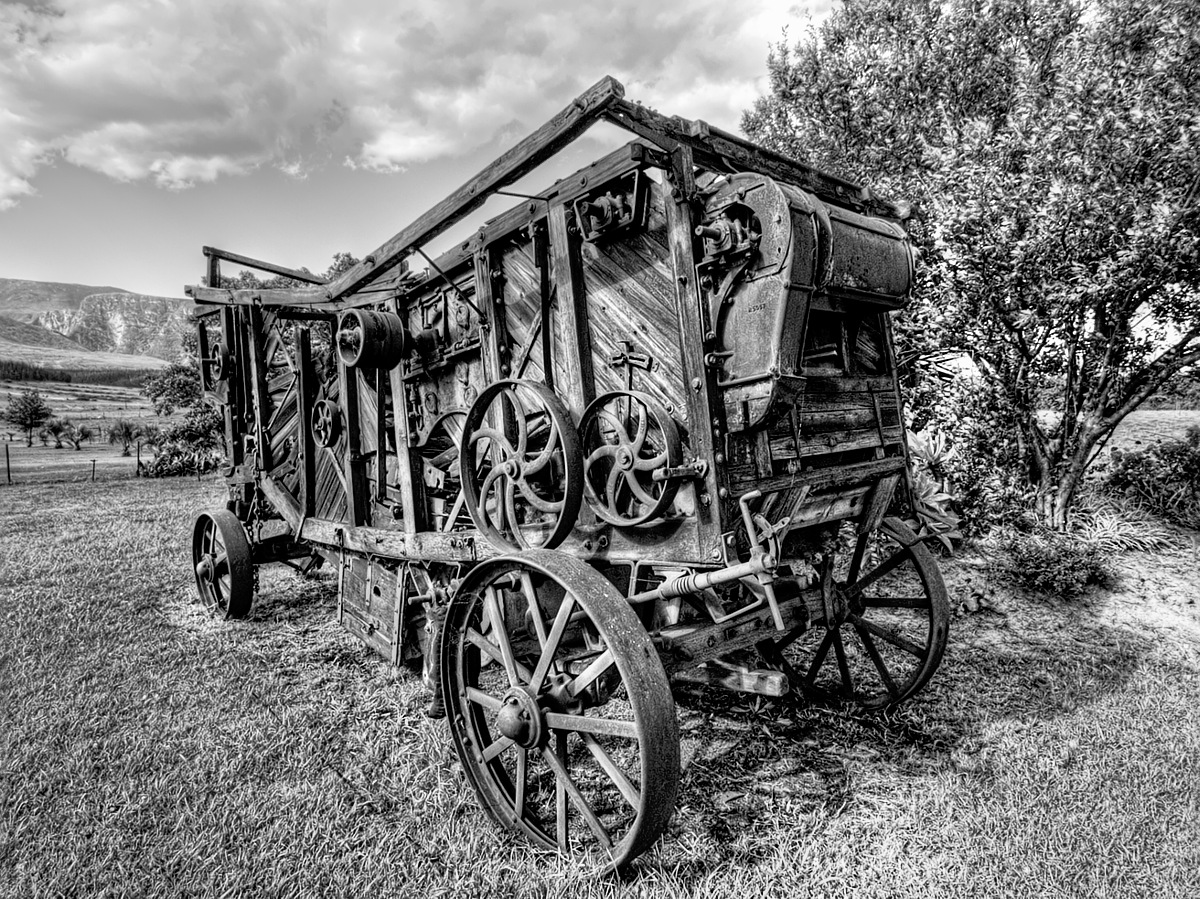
(492, 651)
(489, 702)
(643, 429)
(589, 724)
(819, 656)
(545, 454)
(860, 549)
(894, 561)
(618, 426)
(542, 505)
(599, 665)
(890, 636)
(873, 651)
(615, 774)
(839, 650)
(652, 463)
(501, 442)
(522, 778)
(564, 780)
(559, 752)
(535, 611)
(632, 482)
(606, 450)
(496, 747)
(500, 632)
(895, 602)
(551, 645)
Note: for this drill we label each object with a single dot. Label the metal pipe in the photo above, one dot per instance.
(702, 580)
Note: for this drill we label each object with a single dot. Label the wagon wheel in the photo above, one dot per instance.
(885, 624)
(559, 707)
(522, 474)
(326, 423)
(627, 439)
(221, 558)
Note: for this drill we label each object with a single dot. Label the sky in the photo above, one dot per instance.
(135, 132)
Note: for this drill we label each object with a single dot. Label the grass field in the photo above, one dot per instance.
(146, 749)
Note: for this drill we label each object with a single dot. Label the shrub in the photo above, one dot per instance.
(1164, 478)
(1052, 563)
(974, 456)
(190, 447)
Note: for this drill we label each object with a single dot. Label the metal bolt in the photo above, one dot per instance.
(719, 458)
(695, 384)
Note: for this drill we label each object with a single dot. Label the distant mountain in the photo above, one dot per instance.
(24, 299)
(78, 319)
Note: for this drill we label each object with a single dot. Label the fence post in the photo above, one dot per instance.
(7, 469)
(93, 469)
(137, 472)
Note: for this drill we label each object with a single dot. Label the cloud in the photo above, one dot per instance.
(194, 90)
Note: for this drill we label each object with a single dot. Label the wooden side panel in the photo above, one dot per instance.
(368, 603)
(631, 306)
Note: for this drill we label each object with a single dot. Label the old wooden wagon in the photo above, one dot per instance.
(641, 429)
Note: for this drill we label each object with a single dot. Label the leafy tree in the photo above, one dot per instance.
(175, 386)
(57, 429)
(123, 432)
(1052, 151)
(77, 434)
(28, 411)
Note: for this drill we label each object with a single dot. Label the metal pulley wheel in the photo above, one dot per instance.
(326, 422)
(627, 437)
(522, 472)
(370, 339)
(219, 364)
(221, 560)
(559, 708)
(885, 626)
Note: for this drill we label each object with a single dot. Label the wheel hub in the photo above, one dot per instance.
(512, 468)
(520, 718)
(205, 568)
(625, 459)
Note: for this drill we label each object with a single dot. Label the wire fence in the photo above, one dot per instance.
(39, 464)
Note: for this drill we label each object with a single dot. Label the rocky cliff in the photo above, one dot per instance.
(125, 323)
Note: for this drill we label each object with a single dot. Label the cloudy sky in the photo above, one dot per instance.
(134, 132)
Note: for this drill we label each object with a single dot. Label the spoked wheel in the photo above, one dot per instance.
(522, 473)
(629, 442)
(221, 557)
(886, 618)
(559, 707)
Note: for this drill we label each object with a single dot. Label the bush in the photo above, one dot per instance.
(190, 447)
(1052, 563)
(980, 465)
(1164, 478)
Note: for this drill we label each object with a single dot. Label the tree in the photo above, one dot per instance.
(28, 411)
(1052, 151)
(123, 432)
(176, 386)
(57, 429)
(76, 434)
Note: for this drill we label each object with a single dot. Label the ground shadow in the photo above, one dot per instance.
(744, 756)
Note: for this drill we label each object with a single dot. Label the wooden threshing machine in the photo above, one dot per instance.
(641, 429)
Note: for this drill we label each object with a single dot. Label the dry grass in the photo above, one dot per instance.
(146, 749)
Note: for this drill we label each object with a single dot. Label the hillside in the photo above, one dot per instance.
(78, 326)
(33, 335)
(25, 299)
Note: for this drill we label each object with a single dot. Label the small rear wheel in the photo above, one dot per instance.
(559, 708)
(884, 629)
(221, 558)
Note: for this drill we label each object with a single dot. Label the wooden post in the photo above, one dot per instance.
(7, 470)
(137, 472)
(93, 469)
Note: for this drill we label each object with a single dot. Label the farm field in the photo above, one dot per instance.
(147, 749)
(95, 405)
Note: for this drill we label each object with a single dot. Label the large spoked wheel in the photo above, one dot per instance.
(221, 557)
(886, 618)
(522, 473)
(559, 707)
(629, 443)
